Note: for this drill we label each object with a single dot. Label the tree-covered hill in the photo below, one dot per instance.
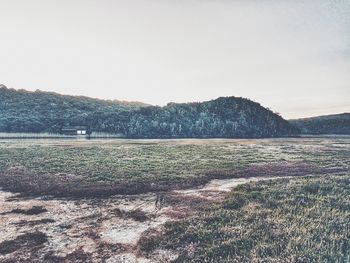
(25, 111)
(328, 124)
(226, 117)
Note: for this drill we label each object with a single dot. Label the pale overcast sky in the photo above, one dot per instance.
(290, 55)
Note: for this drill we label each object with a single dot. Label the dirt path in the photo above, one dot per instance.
(222, 185)
(96, 230)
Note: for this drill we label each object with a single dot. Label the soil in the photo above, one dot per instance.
(65, 185)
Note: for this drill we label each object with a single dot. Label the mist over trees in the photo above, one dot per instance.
(225, 117)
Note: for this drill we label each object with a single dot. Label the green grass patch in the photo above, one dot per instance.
(157, 160)
(286, 220)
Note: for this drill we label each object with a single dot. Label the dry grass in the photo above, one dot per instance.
(80, 168)
(285, 220)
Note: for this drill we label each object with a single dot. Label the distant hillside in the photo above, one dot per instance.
(328, 124)
(227, 117)
(25, 111)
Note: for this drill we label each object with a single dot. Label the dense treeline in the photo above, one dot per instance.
(329, 124)
(24, 111)
(230, 117)
(223, 117)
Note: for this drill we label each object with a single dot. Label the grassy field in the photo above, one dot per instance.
(82, 167)
(302, 218)
(46, 135)
(164, 162)
(295, 220)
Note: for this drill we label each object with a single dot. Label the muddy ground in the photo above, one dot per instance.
(65, 220)
(65, 185)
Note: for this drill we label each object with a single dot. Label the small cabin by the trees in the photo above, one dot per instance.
(76, 130)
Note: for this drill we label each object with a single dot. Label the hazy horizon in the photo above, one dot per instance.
(290, 56)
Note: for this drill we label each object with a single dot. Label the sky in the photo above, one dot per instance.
(292, 56)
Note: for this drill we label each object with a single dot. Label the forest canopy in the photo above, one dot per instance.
(329, 124)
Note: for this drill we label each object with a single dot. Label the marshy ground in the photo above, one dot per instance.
(175, 200)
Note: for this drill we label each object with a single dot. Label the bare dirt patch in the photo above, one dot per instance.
(137, 214)
(278, 169)
(34, 222)
(35, 210)
(75, 186)
(77, 230)
(28, 241)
